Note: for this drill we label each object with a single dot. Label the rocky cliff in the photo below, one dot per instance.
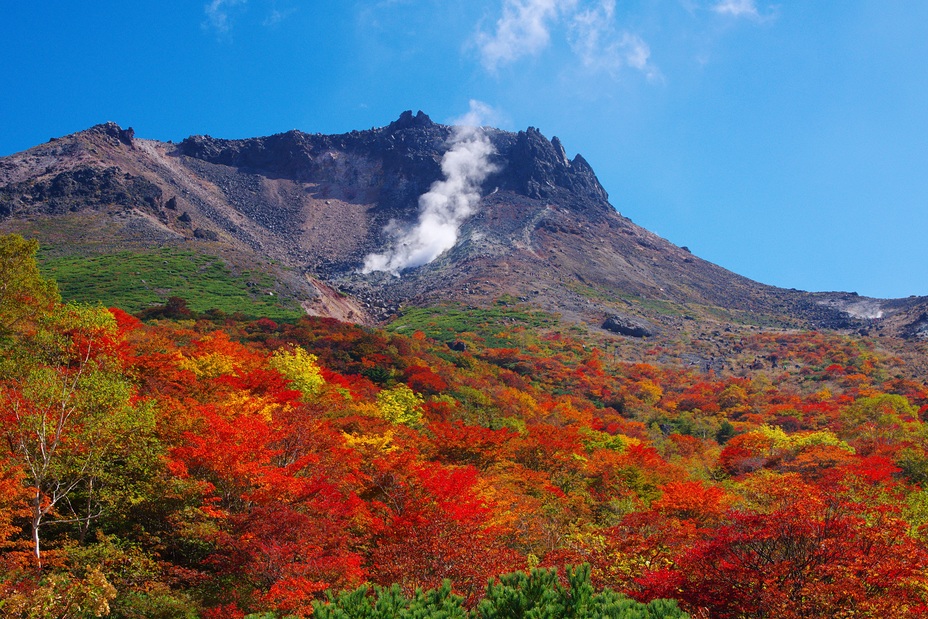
(311, 207)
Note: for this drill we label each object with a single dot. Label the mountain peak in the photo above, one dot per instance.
(113, 130)
(539, 168)
(537, 224)
(408, 121)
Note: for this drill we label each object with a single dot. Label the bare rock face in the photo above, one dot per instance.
(405, 158)
(78, 188)
(206, 235)
(111, 129)
(540, 169)
(392, 166)
(315, 205)
(626, 325)
(918, 328)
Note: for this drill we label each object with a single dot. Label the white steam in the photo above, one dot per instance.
(448, 202)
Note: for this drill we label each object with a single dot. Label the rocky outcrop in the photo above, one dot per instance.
(391, 166)
(917, 329)
(111, 129)
(81, 187)
(407, 121)
(403, 159)
(626, 325)
(540, 169)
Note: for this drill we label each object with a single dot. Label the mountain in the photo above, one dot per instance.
(540, 383)
(291, 219)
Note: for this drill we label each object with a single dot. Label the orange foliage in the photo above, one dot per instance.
(664, 478)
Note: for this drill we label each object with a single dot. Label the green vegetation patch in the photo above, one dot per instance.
(136, 280)
(493, 326)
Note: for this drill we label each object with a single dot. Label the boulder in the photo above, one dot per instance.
(206, 235)
(626, 325)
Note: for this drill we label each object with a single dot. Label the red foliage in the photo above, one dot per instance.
(566, 455)
(809, 554)
(435, 527)
(456, 443)
(423, 380)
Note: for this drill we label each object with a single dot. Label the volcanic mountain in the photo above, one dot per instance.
(306, 210)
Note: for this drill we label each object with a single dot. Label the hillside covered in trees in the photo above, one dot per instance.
(181, 464)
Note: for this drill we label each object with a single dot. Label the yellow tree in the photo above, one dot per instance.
(66, 408)
(65, 404)
(24, 294)
(300, 368)
(400, 404)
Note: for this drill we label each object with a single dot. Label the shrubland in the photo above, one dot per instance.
(199, 465)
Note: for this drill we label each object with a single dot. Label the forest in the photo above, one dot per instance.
(482, 463)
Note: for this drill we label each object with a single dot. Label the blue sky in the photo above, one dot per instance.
(787, 142)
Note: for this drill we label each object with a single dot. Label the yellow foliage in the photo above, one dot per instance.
(517, 403)
(210, 365)
(24, 293)
(734, 397)
(515, 424)
(400, 404)
(594, 439)
(301, 368)
(243, 402)
(794, 443)
(649, 392)
(370, 444)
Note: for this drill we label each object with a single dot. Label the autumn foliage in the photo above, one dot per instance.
(218, 469)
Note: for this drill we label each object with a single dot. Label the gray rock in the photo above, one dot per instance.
(206, 235)
(626, 325)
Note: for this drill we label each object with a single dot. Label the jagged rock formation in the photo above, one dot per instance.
(80, 188)
(544, 232)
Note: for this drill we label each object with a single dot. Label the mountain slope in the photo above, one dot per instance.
(306, 209)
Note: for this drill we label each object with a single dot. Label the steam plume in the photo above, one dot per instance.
(448, 202)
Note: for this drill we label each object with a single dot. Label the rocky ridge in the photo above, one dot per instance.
(544, 232)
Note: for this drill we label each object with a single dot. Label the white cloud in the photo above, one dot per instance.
(523, 30)
(737, 8)
(637, 54)
(596, 41)
(527, 26)
(746, 9)
(217, 15)
(448, 202)
(274, 18)
(220, 15)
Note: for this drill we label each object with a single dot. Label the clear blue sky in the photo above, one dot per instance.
(787, 142)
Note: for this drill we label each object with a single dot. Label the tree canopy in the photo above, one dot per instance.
(214, 467)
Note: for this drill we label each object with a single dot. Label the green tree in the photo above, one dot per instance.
(24, 293)
(67, 409)
(301, 368)
(391, 603)
(885, 417)
(400, 404)
(540, 594)
(536, 595)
